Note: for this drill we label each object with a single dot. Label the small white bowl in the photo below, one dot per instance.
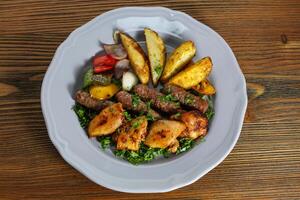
(64, 77)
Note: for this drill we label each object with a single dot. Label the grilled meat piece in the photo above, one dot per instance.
(196, 124)
(132, 133)
(185, 97)
(163, 133)
(126, 99)
(158, 99)
(85, 99)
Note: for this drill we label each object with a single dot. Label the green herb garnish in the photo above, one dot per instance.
(136, 123)
(210, 110)
(135, 100)
(158, 70)
(105, 141)
(177, 115)
(188, 100)
(168, 98)
(85, 115)
(185, 144)
(144, 154)
(149, 117)
(127, 116)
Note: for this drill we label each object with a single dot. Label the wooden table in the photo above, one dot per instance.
(265, 36)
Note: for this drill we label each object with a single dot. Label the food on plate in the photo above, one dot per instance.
(156, 54)
(103, 92)
(163, 133)
(134, 103)
(196, 124)
(129, 80)
(186, 98)
(205, 88)
(141, 120)
(85, 99)
(193, 74)
(107, 121)
(165, 103)
(137, 57)
(132, 133)
(181, 56)
(121, 67)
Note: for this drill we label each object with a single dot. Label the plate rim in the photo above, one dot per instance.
(61, 145)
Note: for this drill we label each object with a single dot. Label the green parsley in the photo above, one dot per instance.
(85, 115)
(149, 117)
(177, 115)
(105, 141)
(144, 154)
(158, 70)
(210, 111)
(127, 116)
(136, 123)
(185, 144)
(135, 100)
(168, 98)
(188, 100)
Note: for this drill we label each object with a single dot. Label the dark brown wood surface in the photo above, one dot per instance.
(265, 36)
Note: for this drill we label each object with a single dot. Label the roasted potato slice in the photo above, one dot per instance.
(156, 54)
(132, 134)
(196, 124)
(205, 87)
(107, 121)
(163, 133)
(174, 146)
(193, 75)
(137, 57)
(181, 56)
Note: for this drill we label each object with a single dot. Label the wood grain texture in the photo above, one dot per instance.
(265, 36)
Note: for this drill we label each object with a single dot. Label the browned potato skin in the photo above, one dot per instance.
(156, 54)
(205, 87)
(129, 137)
(163, 133)
(181, 56)
(107, 121)
(137, 57)
(196, 124)
(193, 74)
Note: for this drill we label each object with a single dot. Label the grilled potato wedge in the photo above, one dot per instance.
(163, 133)
(205, 87)
(193, 74)
(174, 146)
(137, 57)
(196, 124)
(156, 54)
(181, 56)
(132, 134)
(107, 121)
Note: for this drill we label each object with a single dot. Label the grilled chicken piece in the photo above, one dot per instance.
(107, 121)
(85, 99)
(196, 124)
(132, 134)
(174, 146)
(163, 133)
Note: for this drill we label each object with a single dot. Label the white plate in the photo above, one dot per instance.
(63, 78)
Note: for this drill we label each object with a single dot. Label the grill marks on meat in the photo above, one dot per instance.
(148, 94)
(125, 99)
(85, 99)
(186, 98)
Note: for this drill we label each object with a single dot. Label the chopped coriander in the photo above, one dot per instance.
(168, 98)
(158, 70)
(210, 111)
(135, 100)
(188, 100)
(185, 144)
(136, 123)
(148, 104)
(144, 154)
(85, 115)
(177, 115)
(105, 141)
(127, 116)
(149, 117)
